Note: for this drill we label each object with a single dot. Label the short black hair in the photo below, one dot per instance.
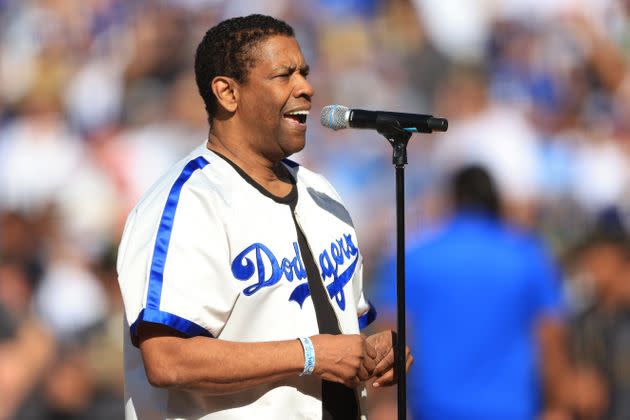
(226, 50)
(472, 188)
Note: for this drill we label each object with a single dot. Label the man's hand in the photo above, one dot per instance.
(384, 343)
(346, 359)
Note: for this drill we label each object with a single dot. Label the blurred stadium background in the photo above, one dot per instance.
(97, 99)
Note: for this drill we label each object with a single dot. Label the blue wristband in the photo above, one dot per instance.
(309, 356)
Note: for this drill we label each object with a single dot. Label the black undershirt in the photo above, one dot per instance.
(338, 401)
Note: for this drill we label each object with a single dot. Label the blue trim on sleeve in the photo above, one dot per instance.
(178, 323)
(156, 276)
(368, 317)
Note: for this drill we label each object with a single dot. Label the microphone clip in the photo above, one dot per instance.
(397, 136)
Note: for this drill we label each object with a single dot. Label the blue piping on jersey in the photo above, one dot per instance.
(171, 320)
(156, 275)
(368, 317)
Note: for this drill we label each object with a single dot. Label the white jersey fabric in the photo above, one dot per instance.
(208, 252)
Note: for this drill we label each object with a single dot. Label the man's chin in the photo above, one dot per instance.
(293, 145)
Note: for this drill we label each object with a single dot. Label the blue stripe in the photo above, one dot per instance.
(165, 318)
(156, 276)
(330, 123)
(368, 317)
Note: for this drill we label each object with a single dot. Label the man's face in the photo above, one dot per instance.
(276, 98)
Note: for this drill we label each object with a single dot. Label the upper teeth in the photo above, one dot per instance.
(298, 113)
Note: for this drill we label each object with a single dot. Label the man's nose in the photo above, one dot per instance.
(304, 88)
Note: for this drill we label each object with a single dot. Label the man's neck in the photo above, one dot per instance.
(271, 175)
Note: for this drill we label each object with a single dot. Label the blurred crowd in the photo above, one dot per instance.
(97, 99)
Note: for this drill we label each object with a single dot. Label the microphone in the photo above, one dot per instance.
(338, 117)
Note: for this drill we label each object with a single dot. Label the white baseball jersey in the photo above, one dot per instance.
(209, 252)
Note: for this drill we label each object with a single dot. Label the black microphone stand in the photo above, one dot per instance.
(399, 137)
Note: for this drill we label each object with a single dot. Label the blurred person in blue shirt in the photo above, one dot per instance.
(484, 310)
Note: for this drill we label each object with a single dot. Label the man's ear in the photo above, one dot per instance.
(225, 89)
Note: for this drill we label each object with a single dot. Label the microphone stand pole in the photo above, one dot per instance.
(399, 138)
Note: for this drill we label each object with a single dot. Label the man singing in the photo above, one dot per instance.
(240, 270)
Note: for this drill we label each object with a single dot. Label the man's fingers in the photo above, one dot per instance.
(364, 373)
(385, 363)
(352, 383)
(369, 364)
(389, 377)
(388, 361)
(385, 380)
(370, 350)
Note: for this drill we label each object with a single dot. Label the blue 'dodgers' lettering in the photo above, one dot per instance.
(243, 268)
(339, 250)
(270, 272)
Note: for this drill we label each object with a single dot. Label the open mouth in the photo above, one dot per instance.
(297, 117)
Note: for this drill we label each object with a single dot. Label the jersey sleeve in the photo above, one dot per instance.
(365, 310)
(178, 278)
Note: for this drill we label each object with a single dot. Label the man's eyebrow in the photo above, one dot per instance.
(303, 69)
(283, 67)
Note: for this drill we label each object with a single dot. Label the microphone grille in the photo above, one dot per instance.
(334, 116)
